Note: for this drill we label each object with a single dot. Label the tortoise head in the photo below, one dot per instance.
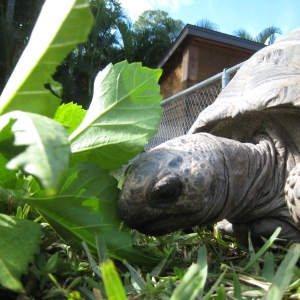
(169, 188)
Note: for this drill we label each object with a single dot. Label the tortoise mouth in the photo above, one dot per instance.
(167, 225)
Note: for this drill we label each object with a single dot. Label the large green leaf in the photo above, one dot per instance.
(85, 206)
(19, 240)
(123, 116)
(36, 144)
(60, 27)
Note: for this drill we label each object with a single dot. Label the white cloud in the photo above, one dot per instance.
(135, 8)
(174, 5)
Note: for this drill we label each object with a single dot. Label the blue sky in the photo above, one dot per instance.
(230, 15)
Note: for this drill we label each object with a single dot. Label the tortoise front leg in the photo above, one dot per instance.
(259, 228)
(292, 194)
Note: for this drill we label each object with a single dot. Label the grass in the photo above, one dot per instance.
(199, 265)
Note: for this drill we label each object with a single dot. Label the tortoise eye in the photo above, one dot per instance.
(166, 191)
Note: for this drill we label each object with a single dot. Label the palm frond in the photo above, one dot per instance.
(126, 38)
(243, 34)
(268, 34)
(204, 23)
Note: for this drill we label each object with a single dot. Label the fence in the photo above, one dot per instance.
(181, 110)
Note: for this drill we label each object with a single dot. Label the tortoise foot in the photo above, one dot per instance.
(259, 228)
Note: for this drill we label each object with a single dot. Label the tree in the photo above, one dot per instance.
(268, 35)
(208, 25)
(158, 21)
(154, 33)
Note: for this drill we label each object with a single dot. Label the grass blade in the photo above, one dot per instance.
(214, 287)
(193, 281)
(262, 250)
(284, 274)
(112, 282)
(268, 270)
(135, 276)
(189, 285)
(101, 248)
(237, 290)
(91, 260)
(221, 294)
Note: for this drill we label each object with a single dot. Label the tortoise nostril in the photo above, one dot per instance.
(166, 191)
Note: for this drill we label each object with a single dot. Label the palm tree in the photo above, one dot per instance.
(267, 35)
(204, 23)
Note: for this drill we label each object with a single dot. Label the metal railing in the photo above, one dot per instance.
(181, 110)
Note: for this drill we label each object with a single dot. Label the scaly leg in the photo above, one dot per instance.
(292, 194)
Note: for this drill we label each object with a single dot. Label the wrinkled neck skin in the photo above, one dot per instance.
(255, 177)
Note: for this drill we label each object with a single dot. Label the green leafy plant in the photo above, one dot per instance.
(62, 155)
(14, 260)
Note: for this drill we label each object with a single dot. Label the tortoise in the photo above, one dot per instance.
(238, 166)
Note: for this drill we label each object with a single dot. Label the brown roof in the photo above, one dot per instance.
(198, 35)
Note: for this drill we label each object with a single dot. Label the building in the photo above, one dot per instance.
(198, 54)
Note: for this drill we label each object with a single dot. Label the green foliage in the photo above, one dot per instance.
(193, 281)
(266, 35)
(8, 178)
(41, 146)
(123, 115)
(70, 115)
(262, 250)
(284, 274)
(83, 207)
(20, 240)
(155, 20)
(236, 285)
(154, 33)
